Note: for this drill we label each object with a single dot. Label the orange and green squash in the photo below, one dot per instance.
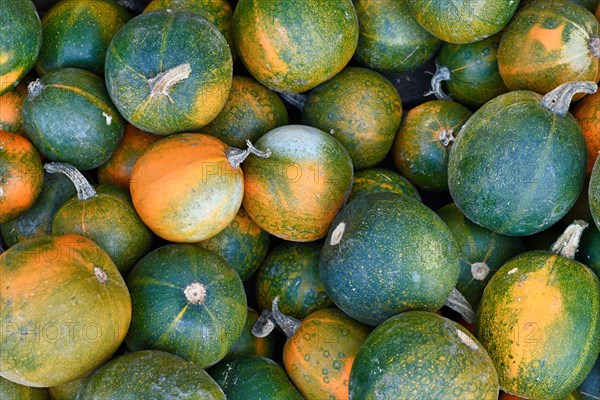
(594, 193)
(421, 355)
(13, 391)
(21, 41)
(296, 192)
(587, 114)
(11, 104)
(360, 108)
(70, 118)
(423, 142)
(21, 175)
(169, 71)
(387, 253)
(294, 46)
(65, 309)
(375, 180)
(187, 301)
(250, 345)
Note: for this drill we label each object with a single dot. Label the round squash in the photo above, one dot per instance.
(594, 193)
(21, 41)
(169, 71)
(415, 265)
(375, 180)
(11, 104)
(242, 243)
(462, 21)
(423, 142)
(549, 42)
(13, 391)
(250, 345)
(253, 378)
(296, 192)
(151, 375)
(76, 33)
(422, 355)
(185, 188)
(360, 108)
(539, 319)
(294, 46)
(519, 163)
(187, 301)
(587, 114)
(64, 301)
(21, 175)
(291, 272)
(251, 111)
(70, 118)
(389, 37)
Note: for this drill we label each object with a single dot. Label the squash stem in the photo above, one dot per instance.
(264, 325)
(294, 99)
(85, 190)
(568, 243)
(441, 74)
(559, 99)
(162, 83)
(446, 137)
(289, 325)
(480, 271)
(195, 293)
(35, 88)
(238, 156)
(457, 302)
(595, 46)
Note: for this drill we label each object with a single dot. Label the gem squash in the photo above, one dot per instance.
(375, 180)
(11, 104)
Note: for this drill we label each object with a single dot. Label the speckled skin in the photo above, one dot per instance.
(250, 345)
(390, 39)
(463, 21)
(360, 108)
(151, 375)
(252, 377)
(21, 32)
(474, 75)
(594, 193)
(587, 114)
(164, 319)
(69, 120)
(375, 180)
(387, 253)
(539, 319)
(76, 33)
(291, 271)
(13, 391)
(417, 151)
(11, 104)
(516, 167)
(422, 356)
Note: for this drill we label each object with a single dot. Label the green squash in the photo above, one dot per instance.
(389, 37)
(589, 4)
(387, 253)
(594, 193)
(376, 180)
(70, 118)
(250, 345)
(421, 355)
(482, 252)
(76, 33)
(253, 377)
(13, 391)
(519, 163)
(589, 249)
(21, 41)
(151, 375)
(188, 301)
(69, 390)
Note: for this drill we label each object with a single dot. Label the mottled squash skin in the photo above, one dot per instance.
(421, 355)
(21, 41)
(389, 37)
(547, 44)
(13, 391)
(11, 104)
(375, 180)
(319, 356)
(418, 151)
(169, 71)
(462, 21)
(250, 345)
(291, 271)
(21, 175)
(64, 301)
(539, 319)
(294, 46)
(517, 168)
(252, 377)
(412, 260)
(360, 108)
(587, 114)
(151, 375)
(76, 33)
(594, 193)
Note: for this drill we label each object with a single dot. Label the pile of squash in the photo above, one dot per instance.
(203, 199)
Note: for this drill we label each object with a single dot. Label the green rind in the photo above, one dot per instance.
(589, 249)
(13, 391)
(291, 271)
(250, 345)
(360, 108)
(516, 167)
(387, 253)
(390, 39)
(151, 375)
(163, 319)
(76, 33)
(69, 120)
(377, 180)
(594, 193)
(421, 355)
